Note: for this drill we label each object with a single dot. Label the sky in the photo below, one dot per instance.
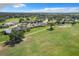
(40, 7)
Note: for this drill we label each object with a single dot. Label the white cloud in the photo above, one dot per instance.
(57, 10)
(51, 10)
(15, 5)
(18, 5)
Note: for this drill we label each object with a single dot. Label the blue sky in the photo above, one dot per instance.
(40, 7)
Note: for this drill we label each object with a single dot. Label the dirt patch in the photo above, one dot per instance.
(2, 48)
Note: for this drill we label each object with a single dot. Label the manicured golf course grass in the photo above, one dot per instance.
(59, 42)
(3, 37)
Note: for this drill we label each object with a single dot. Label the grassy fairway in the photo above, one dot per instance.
(3, 38)
(10, 20)
(61, 41)
(13, 20)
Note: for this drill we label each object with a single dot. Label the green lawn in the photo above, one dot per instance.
(35, 29)
(10, 20)
(3, 37)
(59, 42)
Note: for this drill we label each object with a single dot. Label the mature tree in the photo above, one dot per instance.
(51, 25)
(15, 37)
(21, 20)
(28, 18)
(73, 22)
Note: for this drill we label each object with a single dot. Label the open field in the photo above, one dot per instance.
(61, 41)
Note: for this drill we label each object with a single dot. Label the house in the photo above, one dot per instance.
(19, 28)
(11, 23)
(35, 23)
(2, 19)
(7, 31)
(6, 25)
